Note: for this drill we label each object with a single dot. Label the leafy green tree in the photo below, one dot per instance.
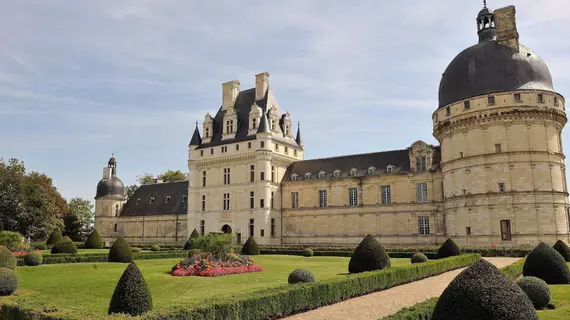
(84, 219)
(146, 178)
(72, 227)
(130, 190)
(172, 176)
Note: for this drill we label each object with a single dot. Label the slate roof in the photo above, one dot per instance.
(176, 204)
(244, 101)
(399, 159)
(196, 139)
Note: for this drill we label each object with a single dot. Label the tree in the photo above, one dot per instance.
(146, 178)
(82, 209)
(72, 226)
(172, 176)
(130, 190)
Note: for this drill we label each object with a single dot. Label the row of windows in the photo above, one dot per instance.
(226, 201)
(251, 229)
(224, 149)
(227, 175)
(421, 196)
(166, 200)
(491, 101)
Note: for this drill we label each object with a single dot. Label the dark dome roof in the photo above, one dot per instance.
(490, 67)
(112, 187)
(484, 11)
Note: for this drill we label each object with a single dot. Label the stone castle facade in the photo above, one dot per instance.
(497, 177)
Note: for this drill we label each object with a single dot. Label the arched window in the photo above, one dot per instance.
(322, 174)
(390, 169)
(336, 173)
(294, 177)
(371, 170)
(308, 175)
(353, 171)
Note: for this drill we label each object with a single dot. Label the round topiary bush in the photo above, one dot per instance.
(8, 281)
(131, 295)
(94, 240)
(563, 249)
(307, 252)
(536, 290)
(33, 259)
(54, 237)
(448, 249)
(547, 264)
(120, 251)
(193, 252)
(39, 246)
(419, 258)
(155, 247)
(250, 247)
(482, 292)
(368, 256)
(190, 242)
(66, 245)
(7, 259)
(301, 275)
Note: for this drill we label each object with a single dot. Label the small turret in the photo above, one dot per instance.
(196, 138)
(486, 24)
(263, 124)
(299, 140)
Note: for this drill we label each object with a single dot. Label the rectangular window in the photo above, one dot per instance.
(251, 200)
(226, 176)
(251, 173)
(442, 193)
(229, 126)
(286, 150)
(447, 111)
(207, 132)
(540, 98)
(262, 176)
(352, 197)
(386, 195)
(506, 230)
(461, 154)
(491, 100)
(322, 198)
(262, 232)
(251, 227)
(201, 153)
(249, 145)
(237, 147)
(254, 123)
(202, 227)
(421, 163)
(421, 192)
(272, 174)
(556, 101)
(212, 151)
(276, 147)
(295, 200)
(272, 200)
(115, 228)
(423, 225)
(226, 201)
(501, 187)
(262, 203)
(497, 147)
(273, 227)
(203, 203)
(468, 231)
(517, 97)
(203, 178)
(467, 104)
(294, 152)
(178, 226)
(262, 144)
(272, 125)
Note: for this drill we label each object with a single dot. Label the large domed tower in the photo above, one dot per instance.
(499, 123)
(109, 198)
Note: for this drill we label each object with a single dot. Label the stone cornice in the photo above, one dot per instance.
(197, 164)
(505, 194)
(510, 153)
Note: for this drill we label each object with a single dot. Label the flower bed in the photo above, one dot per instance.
(23, 253)
(207, 265)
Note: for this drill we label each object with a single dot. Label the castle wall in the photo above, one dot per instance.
(144, 229)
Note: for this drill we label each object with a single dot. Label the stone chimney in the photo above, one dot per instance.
(506, 24)
(261, 85)
(230, 91)
(106, 173)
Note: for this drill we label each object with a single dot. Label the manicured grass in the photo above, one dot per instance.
(560, 299)
(80, 251)
(89, 286)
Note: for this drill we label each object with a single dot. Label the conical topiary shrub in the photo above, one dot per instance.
(54, 237)
(120, 251)
(563, 249)
(482, 292)
(190, 242)
(368, 256)
(94, 240)
(131, 294)
(250, 247)
(448, 249)
(7, 259)
(66, 245)
(547, 264)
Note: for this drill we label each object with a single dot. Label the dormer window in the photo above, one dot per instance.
(467, 104)
(294, 177)
(371, 170)
(307, 175)
(254, 123)
(167, 199)
(207, 134)
(336, 173)
(151, 200)
(390, 169)
(184, 198)
(540, 98)
(286, 130)
(138, 201)
(353, 172)
(229, 126)
(322, 174)
(272, 125)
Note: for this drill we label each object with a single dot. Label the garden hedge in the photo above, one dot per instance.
(563, 249)
(33, 259)
(330, 253)
(8, 281)
(368, 256)
(131, 295)
(250, 247)
(103, 257)
(120, 251)
(66, 245)
(7, 259)
(547, 264)
(274, 302)
(94, 240)
(54, 237)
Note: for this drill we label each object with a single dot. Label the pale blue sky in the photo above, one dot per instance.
(79, 79)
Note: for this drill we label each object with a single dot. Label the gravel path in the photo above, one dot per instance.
(384, 303)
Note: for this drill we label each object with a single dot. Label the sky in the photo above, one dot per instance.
(81, 79)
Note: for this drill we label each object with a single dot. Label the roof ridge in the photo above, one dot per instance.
(162, 183)
(352, 155)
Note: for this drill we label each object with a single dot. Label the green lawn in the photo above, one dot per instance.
(561, 300)
(89, 286)
(81, 251)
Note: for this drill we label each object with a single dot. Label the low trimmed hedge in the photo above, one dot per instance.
(103, 257)
(272, 303)
(405, 255)
(424, 310)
